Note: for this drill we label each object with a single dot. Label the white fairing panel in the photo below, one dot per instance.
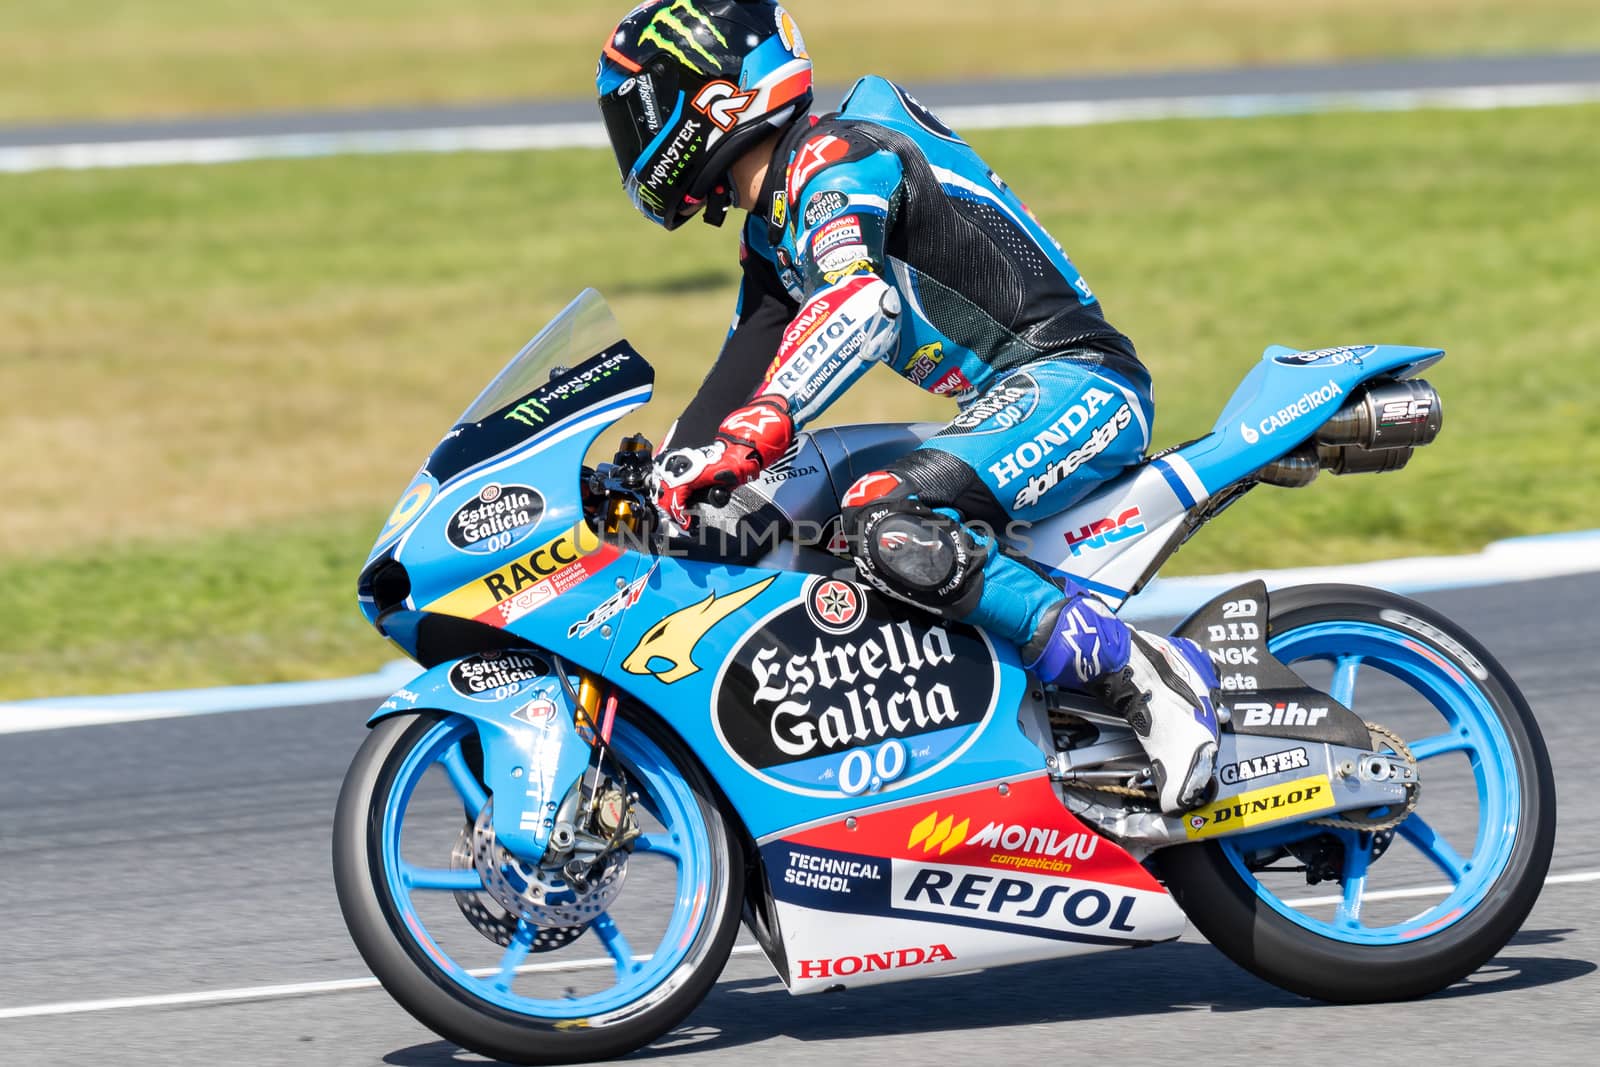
(1110, 538)
(974, 878)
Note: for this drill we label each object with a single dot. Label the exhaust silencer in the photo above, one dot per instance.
(1376, 431)
(1386, 415)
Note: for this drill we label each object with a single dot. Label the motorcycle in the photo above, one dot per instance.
(619, 752)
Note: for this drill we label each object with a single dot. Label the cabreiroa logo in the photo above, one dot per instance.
(868, 710)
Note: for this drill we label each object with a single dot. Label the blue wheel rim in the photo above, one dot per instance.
(1471, 726)
(684, 839)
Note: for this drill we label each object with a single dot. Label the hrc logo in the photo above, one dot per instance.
(931, 833)
(1106, 531)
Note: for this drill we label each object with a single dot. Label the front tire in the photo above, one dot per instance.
(385, 900)
(1225, 886)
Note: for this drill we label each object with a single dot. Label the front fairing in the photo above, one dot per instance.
(491, 531)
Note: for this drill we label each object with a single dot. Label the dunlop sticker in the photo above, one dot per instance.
(1258, 807)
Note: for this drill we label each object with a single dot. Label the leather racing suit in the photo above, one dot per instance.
(882, 237)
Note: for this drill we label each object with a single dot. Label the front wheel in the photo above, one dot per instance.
(463, 953)
(1418, 902)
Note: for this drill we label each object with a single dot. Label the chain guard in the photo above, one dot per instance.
(1371, 824)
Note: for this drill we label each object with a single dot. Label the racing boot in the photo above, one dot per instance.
(1164, 687)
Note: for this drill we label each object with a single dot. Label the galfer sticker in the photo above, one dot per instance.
(839, 693)
(497, 518)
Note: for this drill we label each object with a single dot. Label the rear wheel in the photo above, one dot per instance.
(1421, 903)
(409, 862)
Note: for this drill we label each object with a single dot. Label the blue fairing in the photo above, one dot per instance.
(1283, 400)
(532, 751)
(677, 650)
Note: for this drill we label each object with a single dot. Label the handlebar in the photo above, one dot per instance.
(627, 478)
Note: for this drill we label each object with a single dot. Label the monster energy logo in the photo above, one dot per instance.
(667, 18)
(651, 198)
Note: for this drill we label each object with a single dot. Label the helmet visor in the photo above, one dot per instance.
(634, 113)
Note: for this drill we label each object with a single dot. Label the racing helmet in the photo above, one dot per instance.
(688, 86)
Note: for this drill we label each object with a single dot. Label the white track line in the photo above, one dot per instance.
(204, 150)
(280, 992)
(305, 989)
(1434, 890)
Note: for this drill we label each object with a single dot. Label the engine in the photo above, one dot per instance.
(1377, 430)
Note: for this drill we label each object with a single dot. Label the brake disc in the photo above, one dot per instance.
(494, 922)
(544, 896)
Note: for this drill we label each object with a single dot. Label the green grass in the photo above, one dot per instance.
(115, 58)
(218, 379)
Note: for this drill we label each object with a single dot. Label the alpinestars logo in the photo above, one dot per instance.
(1084, 639)
(685, 34)
(754, 420)
(1040, 484)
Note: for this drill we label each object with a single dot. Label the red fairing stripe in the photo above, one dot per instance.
(1023, 829)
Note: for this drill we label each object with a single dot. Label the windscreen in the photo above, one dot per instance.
(577, 362)
(585, 328)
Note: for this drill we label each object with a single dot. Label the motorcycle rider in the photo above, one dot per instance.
(876, 235)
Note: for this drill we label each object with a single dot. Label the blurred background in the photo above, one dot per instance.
(217, 379)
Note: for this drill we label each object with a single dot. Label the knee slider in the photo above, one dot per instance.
(915, 555)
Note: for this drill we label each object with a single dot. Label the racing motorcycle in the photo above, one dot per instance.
(620, 752)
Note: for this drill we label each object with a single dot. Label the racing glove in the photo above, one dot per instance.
(747, 441)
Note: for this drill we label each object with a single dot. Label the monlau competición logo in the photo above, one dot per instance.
(1290, 413)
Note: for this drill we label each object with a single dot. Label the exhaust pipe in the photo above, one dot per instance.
(1376, 431)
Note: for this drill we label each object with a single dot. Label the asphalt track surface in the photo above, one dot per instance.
(192, 855)
(1414, 74)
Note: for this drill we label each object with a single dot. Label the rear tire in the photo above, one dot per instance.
(1241, 918)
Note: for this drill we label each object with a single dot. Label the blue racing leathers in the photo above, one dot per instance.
(882, 237)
